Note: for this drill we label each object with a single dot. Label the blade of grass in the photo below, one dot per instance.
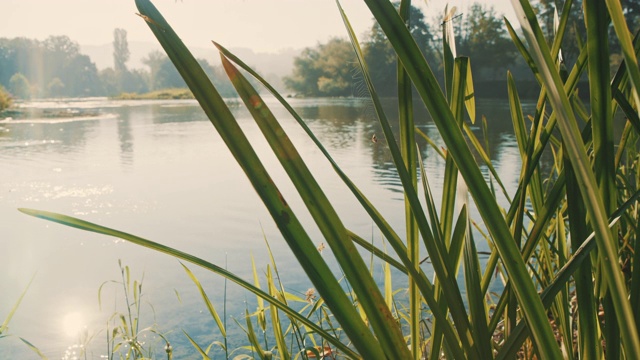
(584, 174)
(520, 333)
(198, 348)
(408, 151)
(475, 297)
(436, 249)
(628, 51)
(293, 232)
(207, 302)
(587, 303)
(429, 91)
(368, 294)
(394, 240)
(275, 318)
(5, 324)
(88, 226)
(388, 232)
(35, 349)
(597, 23)
(452, 187)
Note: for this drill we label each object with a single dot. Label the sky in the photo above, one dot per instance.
(261, 25)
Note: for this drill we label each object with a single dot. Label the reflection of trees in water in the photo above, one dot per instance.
(64, 137)
(125, 137)
(334, 125)
(351, 127)
(177, 112)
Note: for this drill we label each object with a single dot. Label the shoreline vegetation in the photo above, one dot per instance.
(163, 94)
(15, 113)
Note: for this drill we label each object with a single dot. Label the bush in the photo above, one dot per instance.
(5, 99)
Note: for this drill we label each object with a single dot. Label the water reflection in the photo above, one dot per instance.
(125, 136)
(158, 169)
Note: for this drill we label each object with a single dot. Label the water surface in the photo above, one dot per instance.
(159, 170)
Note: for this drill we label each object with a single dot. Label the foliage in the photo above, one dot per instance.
(326, 70)
(4, 326)
(331, 69)
(19, 86)
(5, 99)
(163, 74)
(121, 52)
(484, 39)
(121, 79)
(576, 30)
(164, 94)
(382, 60)
(124, 332)
(56, 68)
(42, 61)
(563, 244)
(55, 87)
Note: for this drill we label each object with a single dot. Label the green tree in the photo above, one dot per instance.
(162, 74)
(484, 38)
(19, 86)
(381, 58)
(126, 80)
(120, 50)
(154, 61)
(5, 98)
(326, 70)
(304, 79)
(109, 81)
(80, 77)
(55, 87)
(43, 61)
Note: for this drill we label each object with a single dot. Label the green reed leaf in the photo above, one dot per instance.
(276, 324)
(88, 226)
(368, 294)
(207, 302)
(628, 51)
(202, 352)
(576, 153)
(293, 232)
(436, 249)
(429, 91)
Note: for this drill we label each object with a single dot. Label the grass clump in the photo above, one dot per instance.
(566, 239)
(5, 99)
(164, 94)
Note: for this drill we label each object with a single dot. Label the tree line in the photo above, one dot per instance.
(331, 69)
(56, 68)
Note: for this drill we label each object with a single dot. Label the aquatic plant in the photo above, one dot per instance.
(564, 245)
(4, 327)
(125, 337)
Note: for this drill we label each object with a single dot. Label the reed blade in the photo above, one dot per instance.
(576, 152)
(92, 227)
(429, 91)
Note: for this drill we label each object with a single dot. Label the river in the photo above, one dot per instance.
(159, 170)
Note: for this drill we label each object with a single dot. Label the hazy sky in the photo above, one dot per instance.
(262, 25)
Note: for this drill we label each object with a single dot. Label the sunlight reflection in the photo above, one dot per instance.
(73, 323)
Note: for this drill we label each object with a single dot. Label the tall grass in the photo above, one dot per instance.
(4, 326)
(564, 245)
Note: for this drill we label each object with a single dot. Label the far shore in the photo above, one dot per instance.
(164, 94)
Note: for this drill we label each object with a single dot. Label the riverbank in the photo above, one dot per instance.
(16, 113)
(164, 94)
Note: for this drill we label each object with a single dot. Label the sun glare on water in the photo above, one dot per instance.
(73, 323)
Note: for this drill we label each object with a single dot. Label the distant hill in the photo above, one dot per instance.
(273, 66)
